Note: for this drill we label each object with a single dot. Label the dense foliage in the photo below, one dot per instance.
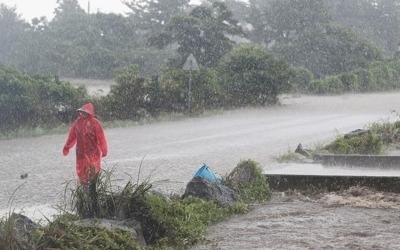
(373, 141)
(366, 144)
(32, 100)
(206, 32)
(253, 77)
(326, 37)
(37, 101)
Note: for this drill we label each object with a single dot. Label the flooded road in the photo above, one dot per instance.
(168, 153)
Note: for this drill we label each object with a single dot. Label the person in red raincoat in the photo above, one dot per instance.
(91, 143)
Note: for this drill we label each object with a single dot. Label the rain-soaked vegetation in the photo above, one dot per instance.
(142, 219)
(377, 139)
(246, 54)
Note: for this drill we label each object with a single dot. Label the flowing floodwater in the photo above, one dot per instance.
(168, 153)
(368, 220)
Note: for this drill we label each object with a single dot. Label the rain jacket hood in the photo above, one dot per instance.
(87, 108)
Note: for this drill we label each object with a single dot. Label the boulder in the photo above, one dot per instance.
(248, 180)
(129, 225)
(210, 190)
(243, 175)
(301, 151)
(23, 228)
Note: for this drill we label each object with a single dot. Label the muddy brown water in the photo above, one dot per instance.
(168, 154)
(370, 220)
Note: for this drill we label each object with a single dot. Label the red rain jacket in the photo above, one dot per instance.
(91, 144)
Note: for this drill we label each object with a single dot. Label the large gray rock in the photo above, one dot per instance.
(130, 225)
(300, 150)
(22, 230)
(210, 190)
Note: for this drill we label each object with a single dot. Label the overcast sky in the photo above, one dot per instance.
(30, 9)
(37, 8)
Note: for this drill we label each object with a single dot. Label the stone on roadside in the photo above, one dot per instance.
(210, 190)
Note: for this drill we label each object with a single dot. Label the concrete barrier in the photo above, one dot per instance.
(337, 172)
(380, 161)
(283, 182)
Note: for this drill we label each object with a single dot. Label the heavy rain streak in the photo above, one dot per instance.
(177, 84)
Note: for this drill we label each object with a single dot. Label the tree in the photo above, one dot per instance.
(303, 34)
(205, 89)
(329, 50)
(153, 15)
(67, 9)
(240, 9)
(285, 20)
(126, 99)
(260, 32)
(375, 20)
(253, 77)
(12, 30)
(206, 33)
(92, 45)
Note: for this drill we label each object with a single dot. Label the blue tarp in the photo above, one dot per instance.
(206, 173)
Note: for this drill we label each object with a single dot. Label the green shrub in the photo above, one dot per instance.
(251, 76)
(127, 98)
(8, 234)
(29, 101)
(382, 75)
(366, 80)
(300, 79)
(62, 233)
(327, 85)
(350, 82)
(183, 222)
(248, 180)
(366, 143)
